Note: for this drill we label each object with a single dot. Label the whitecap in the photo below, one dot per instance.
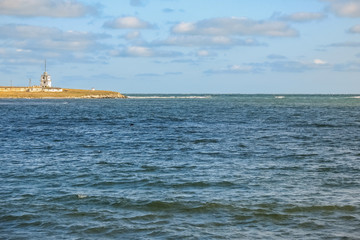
(81, 196)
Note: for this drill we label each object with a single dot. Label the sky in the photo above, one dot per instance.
(183, 46)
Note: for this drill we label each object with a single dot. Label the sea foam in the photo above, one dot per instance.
(169, 97)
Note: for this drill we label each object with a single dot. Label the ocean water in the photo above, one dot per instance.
(181, 167)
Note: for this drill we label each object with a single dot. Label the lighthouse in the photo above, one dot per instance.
(45, 81)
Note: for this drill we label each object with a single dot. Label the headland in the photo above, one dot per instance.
(30, 92)
(46, 90)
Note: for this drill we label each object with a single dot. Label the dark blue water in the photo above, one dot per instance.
(214, 167)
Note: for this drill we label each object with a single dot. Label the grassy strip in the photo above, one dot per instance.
(66, 93)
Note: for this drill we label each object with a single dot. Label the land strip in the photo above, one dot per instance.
(66, 93)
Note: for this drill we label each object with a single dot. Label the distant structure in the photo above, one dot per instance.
(45, 86)
(45, 81)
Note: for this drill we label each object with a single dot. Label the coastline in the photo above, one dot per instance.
(65, 94)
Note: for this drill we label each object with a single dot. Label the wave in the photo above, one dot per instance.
(320, 208)
(205, 140)
(188, 207)
(80, 196)
(147, 205)
(169, 97)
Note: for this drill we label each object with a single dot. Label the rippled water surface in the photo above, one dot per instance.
(181, 167)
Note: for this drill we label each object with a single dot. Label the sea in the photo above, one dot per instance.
(181, 167)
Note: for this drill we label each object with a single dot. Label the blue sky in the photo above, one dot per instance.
(183, 46)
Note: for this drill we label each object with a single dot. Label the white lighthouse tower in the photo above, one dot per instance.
(45, 81)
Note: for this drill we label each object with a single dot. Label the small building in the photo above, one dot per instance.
(45, 81)
(45, 86)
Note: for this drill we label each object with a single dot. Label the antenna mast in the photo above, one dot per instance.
(45, 65)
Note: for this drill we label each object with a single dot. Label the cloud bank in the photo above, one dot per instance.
(201, 40)
(224, 32)
(235, 69)
(303, 17)
(355, 29)
(345, 8)
(284, 66)
(235, 26)
(31, 37)
(141, 51)
(45, 8)
(26, 43)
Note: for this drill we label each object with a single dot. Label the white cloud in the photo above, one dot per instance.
(184, 27)
(132, 35)
(241, 68)
(199, 40)
(303, 17)
(203, 53)
(288, 66)
(26, 44)
(158, 74)
(319, 62)
(296, 66)
(28, 37)
(14, 56)
(274, 66)
(235, 26)
(23, 50)
(235, 69)
(127, 23)
(355, 29)
(141, 51)
(345, 8)
(47, 8)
